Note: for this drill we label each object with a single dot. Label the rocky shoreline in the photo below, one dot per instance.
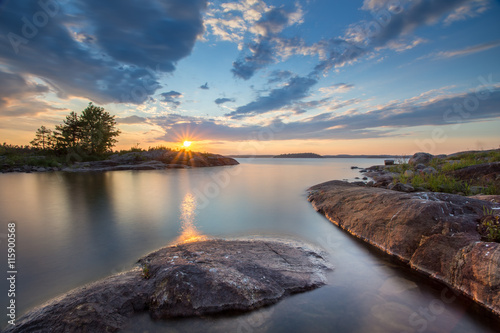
(434, 233)
(193, 279)
(146, 160)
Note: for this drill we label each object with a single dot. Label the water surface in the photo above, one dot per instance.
(73, 229)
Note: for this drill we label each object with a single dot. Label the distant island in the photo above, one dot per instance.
(302, 155)
(299, 155)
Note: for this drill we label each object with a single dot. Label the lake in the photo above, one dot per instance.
(75, 228)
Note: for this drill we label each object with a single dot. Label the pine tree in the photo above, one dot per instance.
(69, 133)
(43, 138)
(98, 130)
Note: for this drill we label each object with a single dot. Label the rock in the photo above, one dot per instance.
(477, 189)
(420, 167)
(365, 178)
(192, 279)
(388, 162)
(420, 158)
(354, 167)
(429, 171)
(40, 170)
(409, 173)
(482, 171)
(435, 233)
(401, 187)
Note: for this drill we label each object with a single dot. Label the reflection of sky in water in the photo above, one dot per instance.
(73, 229)
(189, 232)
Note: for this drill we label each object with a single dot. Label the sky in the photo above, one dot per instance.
(258, 76)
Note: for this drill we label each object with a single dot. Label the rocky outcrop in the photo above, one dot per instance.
(435, 233)
(185, 280)
(420, 158)
(153, 160)
(143, 160)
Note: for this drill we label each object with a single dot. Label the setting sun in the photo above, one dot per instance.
(186, 143)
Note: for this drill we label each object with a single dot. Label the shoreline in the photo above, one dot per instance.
(147, 160)
(432, 233)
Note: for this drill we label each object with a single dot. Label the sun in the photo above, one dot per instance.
(187, 143)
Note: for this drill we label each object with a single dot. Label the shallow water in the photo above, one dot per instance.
(76, 228)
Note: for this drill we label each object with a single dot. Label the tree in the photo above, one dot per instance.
(98, 130)
(43, 138)
(69, 133)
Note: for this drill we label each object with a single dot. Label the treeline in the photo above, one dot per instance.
(92, 133)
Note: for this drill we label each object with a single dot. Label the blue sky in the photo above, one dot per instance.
(258, 77)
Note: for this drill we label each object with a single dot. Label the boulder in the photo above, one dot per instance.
(429, 171)
(420, 158)
(401, 187)
(434, 233)
(194, 279)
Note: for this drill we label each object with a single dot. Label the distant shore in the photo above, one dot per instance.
(140, 160)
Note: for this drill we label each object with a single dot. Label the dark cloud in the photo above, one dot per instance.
(381, 122)
(279, 76)
(171, 97)
(18, 97)
(260, 53)
(219, 101)
(131, 120)
(107, 51)
(419, 13)
(15, 87)
(204, 86)
(295, 89)
(365, 37)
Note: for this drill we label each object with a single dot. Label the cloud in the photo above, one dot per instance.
(470, 9)
(131, 120)
(463, 52)
(219, 101)
(338, 88)
(230, 21)
(204, 86)
(399, 19)
(279, 76)
(20, 97)
(296, 88)
(379, 122)
(261, 52)
(102, 50)
(171, 97)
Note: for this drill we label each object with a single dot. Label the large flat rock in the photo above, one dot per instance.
(435, 233)
(192, 279)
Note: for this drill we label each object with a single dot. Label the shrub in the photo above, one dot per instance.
(489, 226)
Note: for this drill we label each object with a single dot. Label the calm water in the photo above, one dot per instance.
(73, 229)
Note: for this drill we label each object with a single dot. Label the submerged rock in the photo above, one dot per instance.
(435, 233)
(192, 279)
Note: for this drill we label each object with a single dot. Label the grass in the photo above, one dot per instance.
(444, 180)
(489, 226)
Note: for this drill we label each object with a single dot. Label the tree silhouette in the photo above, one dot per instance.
(98, 130)
(69, 133)
(43, 138)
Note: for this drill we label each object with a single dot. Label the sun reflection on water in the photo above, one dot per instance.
(189, 232)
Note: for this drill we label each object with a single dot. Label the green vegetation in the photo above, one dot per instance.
(146, 272)
(86, 137)
(489, 226)
(442, 174)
